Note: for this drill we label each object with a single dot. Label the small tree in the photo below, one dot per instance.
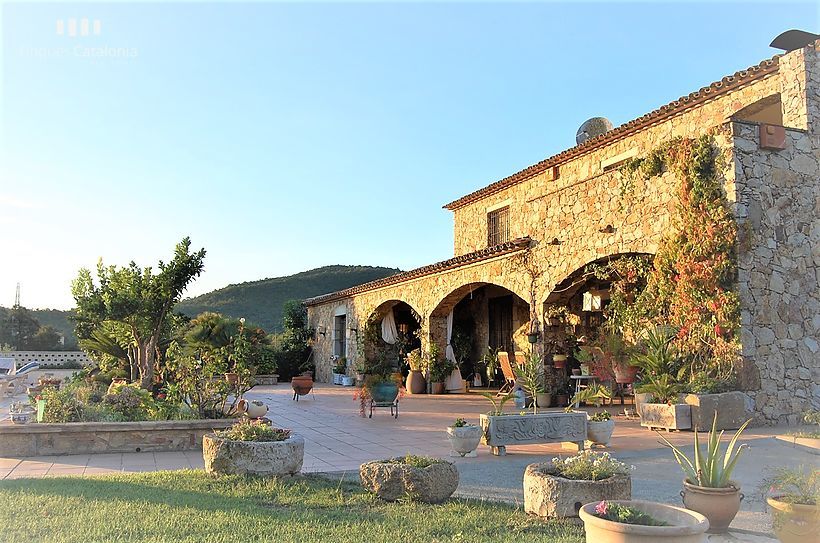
(137, 303)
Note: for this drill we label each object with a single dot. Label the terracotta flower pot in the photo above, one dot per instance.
(543, 399)
(719, 505)
(794, 522)
(301, 384)
(416, 383)
(683, 526)
(232, 378)
(559, 360)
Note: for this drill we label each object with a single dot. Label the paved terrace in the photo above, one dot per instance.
(337, 440)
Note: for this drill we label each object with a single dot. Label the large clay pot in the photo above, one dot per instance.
(416, 383)
(543, 399)
(683, 526)
(465, 439)
(437, 388)
(599, 433)
(302, 384)
(719, 505)
(795, 522)
(384, 392)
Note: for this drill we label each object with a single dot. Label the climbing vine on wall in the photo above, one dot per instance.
(692, 284)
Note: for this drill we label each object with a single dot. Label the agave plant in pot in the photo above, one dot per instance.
(794, 497)
(708, 487)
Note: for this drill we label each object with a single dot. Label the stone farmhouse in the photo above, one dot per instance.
(522, 242)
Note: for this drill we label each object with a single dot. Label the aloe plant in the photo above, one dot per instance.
(498, 403)
(707, 469)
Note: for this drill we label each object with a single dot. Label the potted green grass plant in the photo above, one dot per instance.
(794, 497)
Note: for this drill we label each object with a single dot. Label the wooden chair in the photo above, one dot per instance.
(509, 374)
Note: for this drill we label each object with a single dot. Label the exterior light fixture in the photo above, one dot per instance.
(321, 330)
(608, 229)
(555, 241)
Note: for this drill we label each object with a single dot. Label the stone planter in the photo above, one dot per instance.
(416, 383)
(502, 430)
(684, 526)
(641, 398)
(464, 440)
(677, 416)
(348, 381)
(393, 481)
(729, 406)
(795, 522)
(336, 378)
(719, 505)
(266, 379)
(549, 495)
(224, 456)
(599, 433)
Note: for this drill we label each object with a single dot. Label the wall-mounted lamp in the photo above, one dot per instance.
(608, 229)
(321, 330)
(555, 241)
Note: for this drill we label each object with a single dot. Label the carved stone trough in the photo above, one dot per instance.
(553, 427)
(677, 416)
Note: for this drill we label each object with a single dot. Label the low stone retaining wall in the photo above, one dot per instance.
(106, 437)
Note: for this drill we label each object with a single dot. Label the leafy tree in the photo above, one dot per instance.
(20, 329)
(293, 344)
(134, 304)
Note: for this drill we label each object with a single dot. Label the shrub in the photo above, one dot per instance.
(61, 406)
(600, 416)
(589, 466)
(129, 400)
(461, 423)
(793, 485)
(252, 430)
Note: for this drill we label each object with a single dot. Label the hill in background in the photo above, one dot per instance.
(260, 302)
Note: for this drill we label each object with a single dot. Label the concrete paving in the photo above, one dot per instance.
(338, 440)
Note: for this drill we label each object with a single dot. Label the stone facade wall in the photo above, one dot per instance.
(778, 193)
(775, 194)
(530, 200)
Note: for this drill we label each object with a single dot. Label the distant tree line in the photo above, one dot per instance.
(21, 331)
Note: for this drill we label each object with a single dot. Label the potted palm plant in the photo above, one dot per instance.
(707, 487)
(794, 497)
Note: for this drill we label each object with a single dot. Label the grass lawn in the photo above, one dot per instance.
(192, 506)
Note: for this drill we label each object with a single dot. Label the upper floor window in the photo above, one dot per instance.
(498, 226)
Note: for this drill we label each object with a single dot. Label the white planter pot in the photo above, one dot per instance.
(677, 416)
(464, 440)
(553, 427)
(348, 381)
(599, 433)
(454, 382)
(337, 378)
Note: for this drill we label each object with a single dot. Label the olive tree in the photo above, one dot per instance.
(134, 304)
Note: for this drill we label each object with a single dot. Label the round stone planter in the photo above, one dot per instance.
(392, 481)
(795, 522)
(465, 439)
(719, 505)
(224, 456)
(684, 526)
(548, 495)
(599, 433)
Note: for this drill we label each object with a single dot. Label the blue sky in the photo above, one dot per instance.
(282, 137)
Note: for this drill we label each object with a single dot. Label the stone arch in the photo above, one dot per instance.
(488, 313)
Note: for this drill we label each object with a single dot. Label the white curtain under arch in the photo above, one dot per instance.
(389, 332)
(455, 382)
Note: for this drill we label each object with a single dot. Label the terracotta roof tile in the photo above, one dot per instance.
(456, 262)
(728, 83)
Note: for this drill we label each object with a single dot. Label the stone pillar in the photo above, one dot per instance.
(799, 74)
